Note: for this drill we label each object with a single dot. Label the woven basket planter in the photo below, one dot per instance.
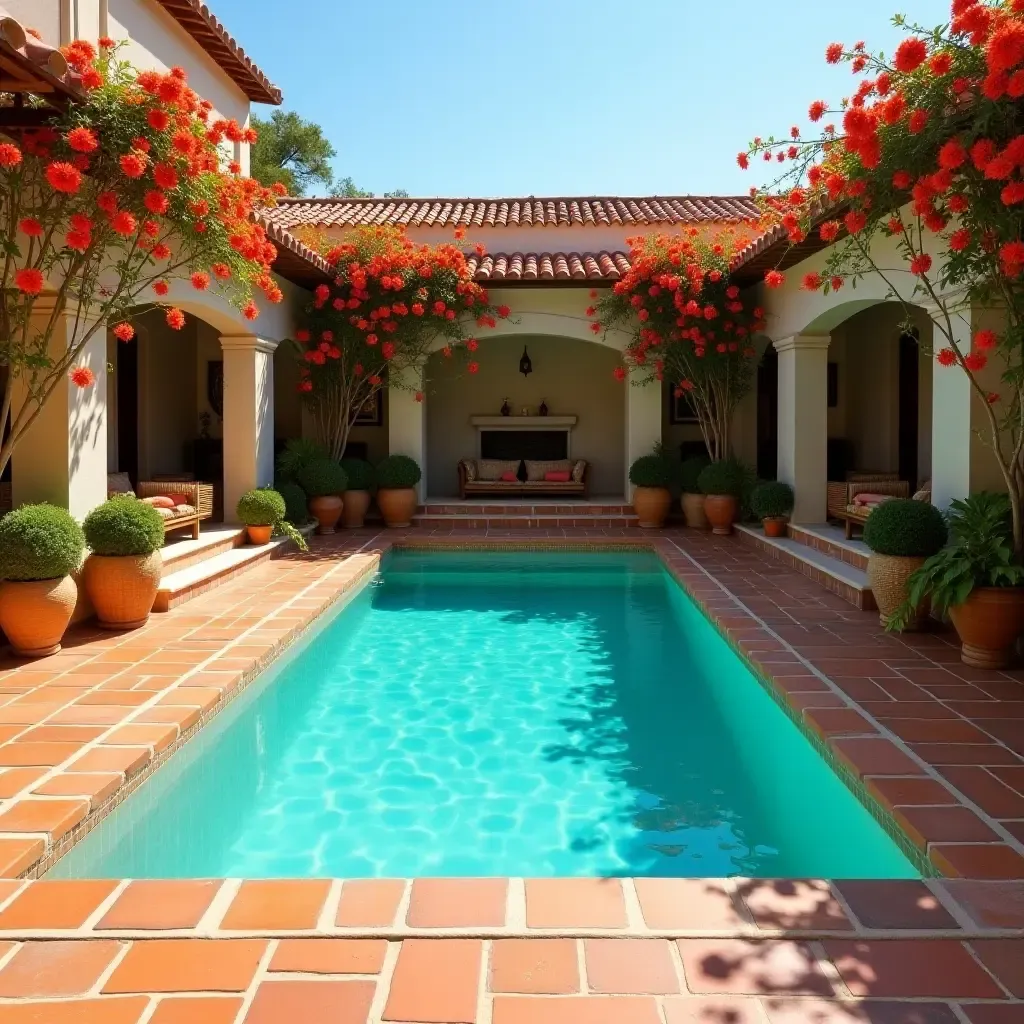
(888, 575)
(122, 588)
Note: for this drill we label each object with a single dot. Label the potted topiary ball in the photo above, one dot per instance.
(323, 480)
(652, 477)
(260, 510)
(692, 499)
(902, 534)
(397, 477)
(40, 546)
(722, 483)
(357, 495)
(772, 503)
(122, 574)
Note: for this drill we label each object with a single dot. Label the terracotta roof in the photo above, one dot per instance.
(207, 30)
(28, 65)
(515, 212)
(295, 260)
(508, 268)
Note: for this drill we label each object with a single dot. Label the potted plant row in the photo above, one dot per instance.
(723, 484)
(772, 503)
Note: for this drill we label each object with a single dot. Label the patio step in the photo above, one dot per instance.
(853, 552)
(525, 520)
(527, 507)
(847, 581)
(179, 553)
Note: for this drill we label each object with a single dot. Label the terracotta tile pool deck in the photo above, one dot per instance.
(936, 748)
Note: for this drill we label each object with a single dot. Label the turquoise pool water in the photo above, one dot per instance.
(499, 713)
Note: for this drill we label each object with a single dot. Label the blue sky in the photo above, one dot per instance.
(555, 97)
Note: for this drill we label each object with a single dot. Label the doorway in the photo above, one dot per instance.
(128, 408)
(909, 397)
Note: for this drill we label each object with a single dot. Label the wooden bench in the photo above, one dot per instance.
(519, 488)
(199, 496)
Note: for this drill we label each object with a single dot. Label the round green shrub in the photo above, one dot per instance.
(726, 477)
(39, 542)
(261, 507)
(322, 477)
(360, 474)
(398, 471)
(123, 525)
(902, 526)
(689, 472)
(298, 453)
(772, 499)
(295, 510)
(653, 471)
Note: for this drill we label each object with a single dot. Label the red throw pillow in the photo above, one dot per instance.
(158, 502)
(178, 499)
(560, 476)
(509, 477)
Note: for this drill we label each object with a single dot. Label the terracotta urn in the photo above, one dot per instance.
(354, 513)
(34, 615)
(397, 505)
(693, 510)
(259, 534)
(775, 526)
(651, 505)
(988, 624)
(888, 575)
(122, 588)
(326, 510)
(721, 512)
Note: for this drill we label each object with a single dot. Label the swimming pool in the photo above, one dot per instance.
(499, 713)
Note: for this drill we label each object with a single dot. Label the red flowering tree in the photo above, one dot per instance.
(927, 159)
(390, 302)
(105, 205)
(689, 324)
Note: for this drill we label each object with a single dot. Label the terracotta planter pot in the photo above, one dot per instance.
(354, 512)
(326, 510)
(721, 512)
(259, 534)
(775, 526)
(122, 588)
(397, 505)
(651, 505)
(988, 623)
(34, 615)
(888, 575)
(693, 511)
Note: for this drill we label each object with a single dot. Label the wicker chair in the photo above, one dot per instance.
(199, 497)
(842, 492)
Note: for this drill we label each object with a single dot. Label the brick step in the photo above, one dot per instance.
(523, 520)
(852, 552)
(216, 540)
(540, 508)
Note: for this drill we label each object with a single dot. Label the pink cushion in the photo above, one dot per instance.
(509, 478)
(867, 498)
(178, 498)
(557, 476)
(159, 502)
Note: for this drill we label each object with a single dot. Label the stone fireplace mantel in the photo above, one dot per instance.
(523, 422)
(539, 437)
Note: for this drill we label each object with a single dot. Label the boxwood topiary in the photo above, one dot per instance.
(398, 471)
(690, 470)
(322, 477)
(728, 477)
(298, 453)
(653, 470)
(902, 526)
(39, 542)
(295, 510)
(772, 499)
(360, 474)
(260, 507)
(123, 525)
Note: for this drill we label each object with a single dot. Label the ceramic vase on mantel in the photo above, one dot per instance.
(506, 409)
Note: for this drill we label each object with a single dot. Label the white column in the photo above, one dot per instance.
(62, 459)
(803, 422)
(951, 421)
(407, 423)
(248, 416)
(643, 421)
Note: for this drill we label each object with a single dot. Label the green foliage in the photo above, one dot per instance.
(322, 477)
(771, 499)
(39, 542)
(690, 471)
(295, 510)
(261, 507)
(904, 527)
(729, 476)
(360, 474)
(297, 454)
(980, 555)
(291, 151)
(398, 471)
(123, 525)
(654, 470)
(346, 188)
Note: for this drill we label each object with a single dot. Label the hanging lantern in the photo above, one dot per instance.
(525, 366)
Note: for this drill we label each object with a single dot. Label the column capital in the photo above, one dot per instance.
(247, 343)
(802, 341)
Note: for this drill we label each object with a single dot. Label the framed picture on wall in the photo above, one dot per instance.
(681, 409)
(371, 414)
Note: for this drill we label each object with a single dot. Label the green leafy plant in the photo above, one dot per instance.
(772, 499)
(260, 507)
(689, 472)
(360, 474)
(39, 542)
(654, 470)
(729, 477)
(322, 477)
(398, 471)
(123, 525)
(981, 554)
(907, 528)
(295, 510)
(298, 453)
